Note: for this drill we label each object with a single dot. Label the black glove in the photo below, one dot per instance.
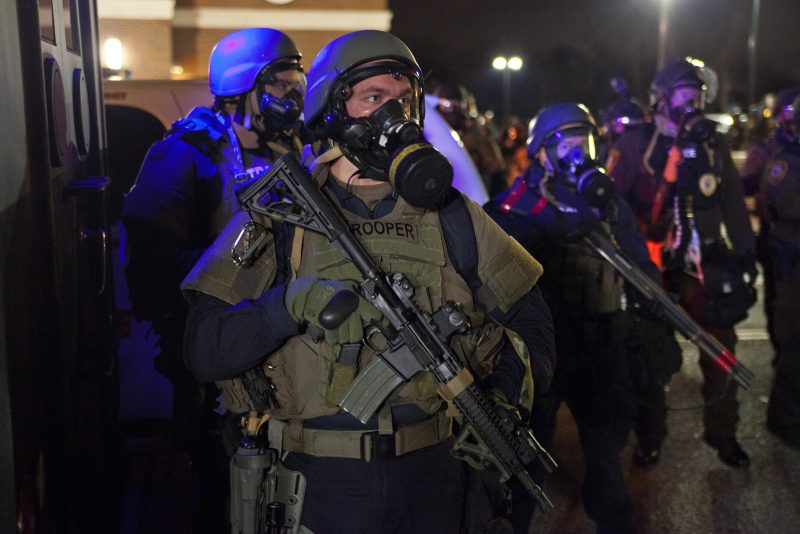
(650, 307)
(580, 220)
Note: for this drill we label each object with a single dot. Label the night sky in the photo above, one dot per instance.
(572, 48)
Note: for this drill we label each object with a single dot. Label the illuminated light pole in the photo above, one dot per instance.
(752, 41)
(506, 66)
(663, 32)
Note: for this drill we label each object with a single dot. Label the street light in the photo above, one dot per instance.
(514, 63)
(113, 60)
(752, 42)
(663, 31)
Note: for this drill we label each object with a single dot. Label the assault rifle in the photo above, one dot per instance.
(677, 316)
(416, 340)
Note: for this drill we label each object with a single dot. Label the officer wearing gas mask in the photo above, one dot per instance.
(563, 194)
(780, 187)
(365, 108)
(758, 155)
(459, 109)
(680, 180)
(183, 197)
(619, 116)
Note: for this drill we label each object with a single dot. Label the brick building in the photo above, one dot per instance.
(173, 38)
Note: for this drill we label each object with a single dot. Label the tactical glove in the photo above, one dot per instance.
(333, 306)
(572, 224)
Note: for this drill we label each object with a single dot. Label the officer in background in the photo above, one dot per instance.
(562, 195)
(460, 110)
(183, 196)
(679, 178)
(364, 87)
(758, 155)
(781, 190)
(513, 146)
(618, 117)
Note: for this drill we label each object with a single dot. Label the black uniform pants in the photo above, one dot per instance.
(593, 377)
(418, 492)
(784, 403)
(720, 415)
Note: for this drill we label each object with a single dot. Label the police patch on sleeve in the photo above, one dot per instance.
(708, 184)
(776, 171)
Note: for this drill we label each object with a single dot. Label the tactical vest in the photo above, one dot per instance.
(582, 280)
(588, 283)
(308, 380)
(706, 162)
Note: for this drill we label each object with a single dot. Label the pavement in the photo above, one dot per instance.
(690, 490)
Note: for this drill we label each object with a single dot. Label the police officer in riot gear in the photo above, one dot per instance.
(564, 194)
(183, 196)
(758, 155)
(458, 107)
(365, 107)
(679, 178)
(619, 116)
(782, 136)
(781, 187)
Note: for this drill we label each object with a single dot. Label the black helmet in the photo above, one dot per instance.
(454, 100)
(684, 72)
(562, 119)
(785, 98)
(336, 69)
(628, 112)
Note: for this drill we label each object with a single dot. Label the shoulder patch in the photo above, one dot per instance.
(776, 172)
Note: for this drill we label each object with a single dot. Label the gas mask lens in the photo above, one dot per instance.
(580, 170)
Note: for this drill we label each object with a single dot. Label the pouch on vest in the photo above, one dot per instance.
(589, 283)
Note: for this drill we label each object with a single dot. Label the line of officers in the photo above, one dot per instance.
(550, 321)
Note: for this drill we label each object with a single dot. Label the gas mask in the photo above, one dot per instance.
(388, 146)
(582, 174)
(281, 114)
(693, 124)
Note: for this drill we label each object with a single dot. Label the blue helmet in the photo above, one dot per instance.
(239, 57)
(567, 118)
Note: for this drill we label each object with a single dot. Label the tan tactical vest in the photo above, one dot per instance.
(308, 380)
